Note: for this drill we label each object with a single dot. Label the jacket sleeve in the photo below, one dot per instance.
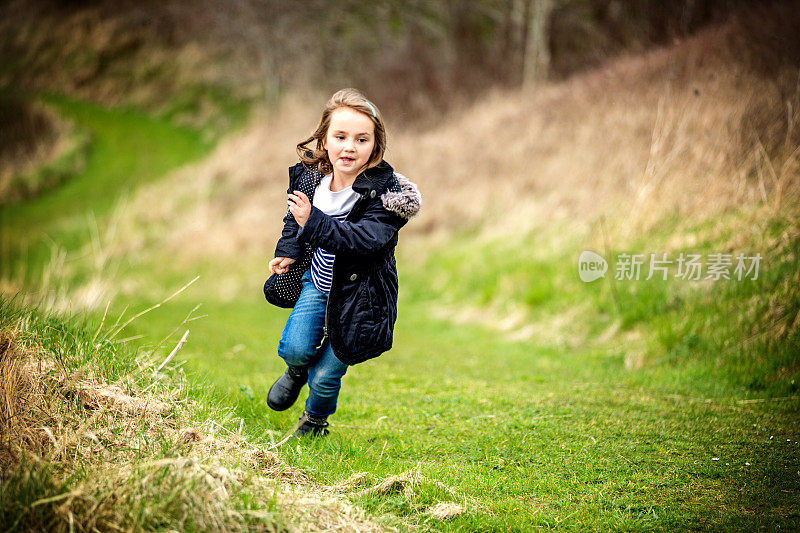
(288, 245)
(371, 233)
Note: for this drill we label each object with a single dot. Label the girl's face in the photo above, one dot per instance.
(349, 141)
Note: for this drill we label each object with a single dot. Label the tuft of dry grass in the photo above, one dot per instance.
(355, 481)
(13, 400)
(447, 510)
(51, 414)
(406, 484)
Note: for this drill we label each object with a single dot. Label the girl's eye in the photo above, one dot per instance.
(362, 140)
(340, 137)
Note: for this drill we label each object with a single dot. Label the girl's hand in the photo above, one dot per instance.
(300, 206)
(280, 265)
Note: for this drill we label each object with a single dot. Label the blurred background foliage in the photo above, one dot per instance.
(187, 59)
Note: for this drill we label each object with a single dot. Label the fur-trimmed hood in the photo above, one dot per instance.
(403, 198)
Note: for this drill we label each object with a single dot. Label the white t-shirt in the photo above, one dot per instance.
(336, 204)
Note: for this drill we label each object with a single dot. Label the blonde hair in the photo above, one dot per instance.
(354, 99)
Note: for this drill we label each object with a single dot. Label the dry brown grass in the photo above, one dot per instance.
(447, 510)
(47, 412)
(406, 484)
(691, 129)
(54, 423)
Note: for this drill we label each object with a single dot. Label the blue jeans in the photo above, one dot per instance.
(300, 347)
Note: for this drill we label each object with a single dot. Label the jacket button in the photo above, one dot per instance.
(372, 193)
(353, 277)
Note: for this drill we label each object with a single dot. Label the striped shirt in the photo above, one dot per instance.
(337, 205)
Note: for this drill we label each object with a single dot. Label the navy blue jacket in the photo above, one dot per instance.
(362, 305)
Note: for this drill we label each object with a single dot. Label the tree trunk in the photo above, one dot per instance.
(536, 62)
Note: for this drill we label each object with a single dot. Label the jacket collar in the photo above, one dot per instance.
(374, 178)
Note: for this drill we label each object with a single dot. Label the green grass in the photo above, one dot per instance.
(128, 149)
(686, 418)
(540, 434)
(533, 437)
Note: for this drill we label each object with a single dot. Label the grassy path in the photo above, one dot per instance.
(530, 434)
(128, 149)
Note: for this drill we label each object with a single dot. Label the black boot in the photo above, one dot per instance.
(285, 390)
(313, 426)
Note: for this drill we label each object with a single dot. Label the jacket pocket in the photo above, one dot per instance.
(366, 301)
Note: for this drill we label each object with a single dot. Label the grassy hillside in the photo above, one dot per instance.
(127, 149)
(40, 149)
(516, 396)
(95, 437)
